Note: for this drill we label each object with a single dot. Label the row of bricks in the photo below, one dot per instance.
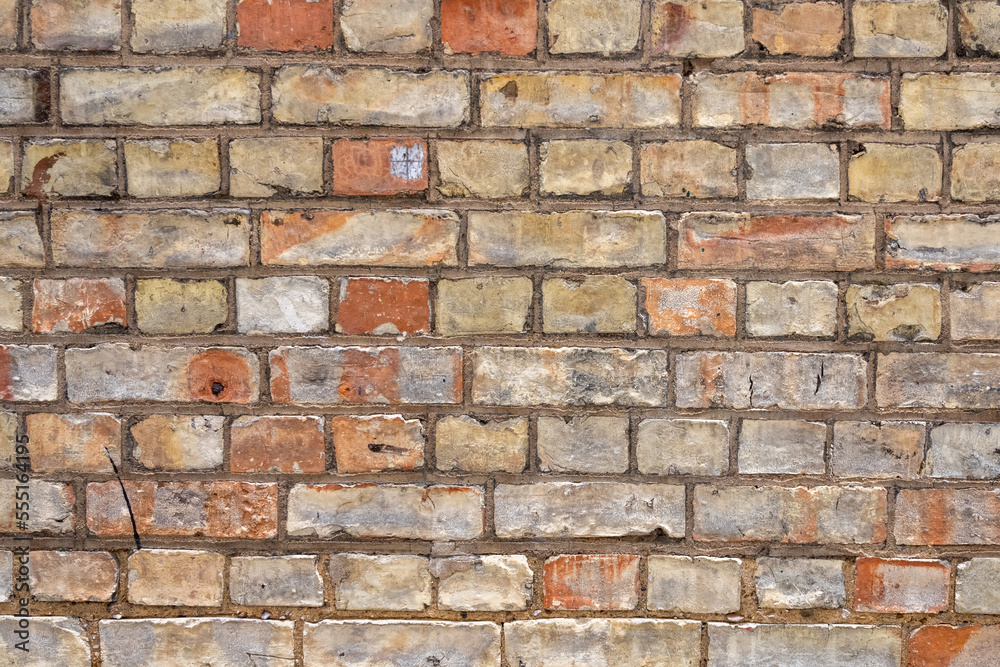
(89, 442)
(311, 94)
(589, 239)
(678, 28)
(250, 511)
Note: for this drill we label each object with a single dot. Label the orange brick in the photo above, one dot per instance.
(379, 166)
(384, 306)
(687, 307)
(589, 581)
(285, 25)
(370, 444)
(74, 442)
(948, 646)
(800, 28)
(508, 27)
(277, 444)
(901, 586)
(77, 304)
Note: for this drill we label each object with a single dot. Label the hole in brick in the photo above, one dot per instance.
(218, 388)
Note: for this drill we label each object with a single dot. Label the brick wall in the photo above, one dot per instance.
(484, 332)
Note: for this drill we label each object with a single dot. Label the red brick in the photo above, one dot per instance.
(384, 306)
(592, 581)
(508, 27)
(277, 444)
(690, 307)
(370, 444)
(285, 25)
(379, 166)
(948, 646)
(77, 304)
(800, 28)
(901, 586)
(948, 516)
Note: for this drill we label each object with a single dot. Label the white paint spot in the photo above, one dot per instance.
(407, 163)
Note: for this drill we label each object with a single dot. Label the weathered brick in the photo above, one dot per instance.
(165, 306)
(901, 311)
(282, 304)
(900, 29)
(964, 451)
(948, 516)
(585, 167)
(800, 583)
(483, 583)
(397, 583)
(593, 304)
(948, 101)
(886, 449)
(490, 169)
(948, 646)
(403, 511)
(116, 372)
(588, 509)
(471, 445)
(800, 515)
(387, 26)
(54, 637)
(693, 29)
(152, 239)
(482, 305)
(172, 168)
(74, 442)
(271, 166)
(73, 576)
(174, 577)
(22, 101)
(69, 168)
(592, 581)
(135, 96)
(284, 444)
(975, 592)
(376, 443)
(286, 25)
(76, 304)
(978, 28)
(781, 446)
(477, 26)
(941, 380)
(800, 29)
(580, 99)
(21, 244)
(690, 306)
(698, 585)
(337, 375)
(28, 373)
(593, 26)
(583, 444)
(375, 643)
(9, 27)
(6, 165)
(901, 586)
(942, 242)
(793, 308)
(310, 94)
(974, 172)
(384, 306)
(890, 172)
(178, 442)
(217, 509)
(683, 446)
(382, 238)
(379, 166)
(275, 580)
(568, 376)
(52, 507)
(783, 380)
(174, 27)
(11, 315)
(696, 168)
(95, 25)
(6, 578)
(793, 171)
(754, 645)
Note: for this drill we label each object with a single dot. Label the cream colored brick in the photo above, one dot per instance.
(892, 172)
(483, 305)
(594, 304)
(975, 172)
(698, 28)
(468, 445)
(903, 312)
(165, 168)
(688, 169)
(269, 166)
(585, 166)
(166, 306)
(400, 583)
(900, 29)
(10, 305)
(794, 308)
(69, 168)
(6, 165)
(169, 577)
(593, 26)
(975, 311)
(489, 169)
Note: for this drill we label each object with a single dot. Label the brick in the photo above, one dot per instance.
(377, 443)
(152, 239)
(903, 311)
(568, 240)
(165, 168)
(165, 306)
(813, 29)
(593, 26)
(69, 168)
(94, 25)
(221, 642)
(74, 442)
(947, 516)
(275, 580)
(800, 100)
(585, 166)
(178, 442)
(901, 586)
(28, 373)
(490, 169)
(344, 375)
(478, 26)
(794, 645)
(52, 507)
(885, 449)
(688, 169)
(483, 305)
(483, 583)
(942, 242)
(374, 643)
(974, 589)
(282, 304)
(8, 441)
(783, 380)
(583, 444)
(275, 166)
(397, 583)
(742, 241)
(974, 172)
(587, 509)
(135, 96)
(9, 26)
(73, 576)
(309, 95)
(793, 171)
(379, 166)
(282, 444)
(6, 165)
(940, 380)
(381, 238)
(54, 637)
(11, 315)
(793, 308)
(698, 585)
(593, 304)
(215, 509)
(602, 642)
(386, 26)
(690, 306)
(6, 578)
(899, 29)
(21, 242)
(580, 99)
(975, 311)
(948, 101)
(888, 172)
(175, 578)
(690, 29)
(22, 101)
(77, 304)
(800, 515)
(384, 306)
(592, 581)
(800, 583)
(115, 372)
(286, 25)
(472, 445)
(176, 27)
(978, 32)
(568, 376)
(781, 446)
(945, 645)
(964, 451)
(683, 447)
(404, 511)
